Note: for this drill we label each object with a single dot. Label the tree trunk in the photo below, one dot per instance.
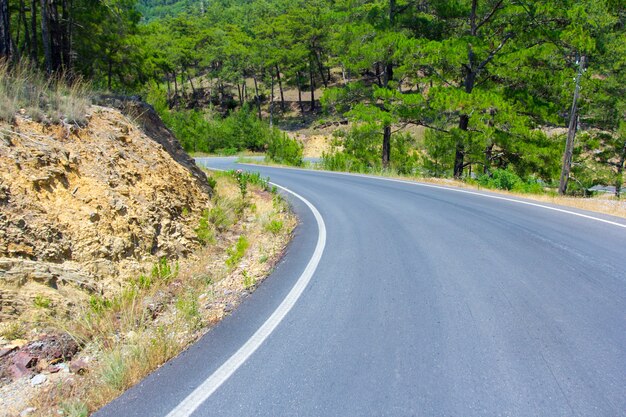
(110, 73)
(619, 179)
(27, 39)
(45, 36)
(175, 86)
(272, 101)
(280, 87)
(5, 32)
(320, 67)
(299, 94)
(169, 90)
(257, 97)
(183, 91)
(33, 25)
(488, 156)
(16, 41)
(312, 86)
(470, 80)
(377, 70)
(193, 89)
(571, 131)
(56, 43)
(386, 146)
(65, 35)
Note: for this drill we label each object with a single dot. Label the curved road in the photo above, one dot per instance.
(426, 302)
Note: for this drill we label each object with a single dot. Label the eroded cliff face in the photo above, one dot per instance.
(84, 209)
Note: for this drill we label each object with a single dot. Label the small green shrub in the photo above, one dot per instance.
(248, 281)
(219, 215)
(143, 282)
(505, 179)
(113, 371)
(284, 150)
(212, 182)
(12, 331)
(99, 304)
(163, 271)
(42, 302)
(187, 305)
(274, 226)
(204, 231)
(237, 251)
(74, 408)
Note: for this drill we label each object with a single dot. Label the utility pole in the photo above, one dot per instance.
(571, 131)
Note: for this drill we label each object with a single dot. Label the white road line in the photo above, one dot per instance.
(213, 382)
(458, 190)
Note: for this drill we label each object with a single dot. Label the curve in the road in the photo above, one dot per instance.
(426, 302)
(213, 382)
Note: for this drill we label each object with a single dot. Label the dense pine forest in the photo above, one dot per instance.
(518, 94)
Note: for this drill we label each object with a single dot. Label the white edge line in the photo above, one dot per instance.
(458, 190)
(186, 407)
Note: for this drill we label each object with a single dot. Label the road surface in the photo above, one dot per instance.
(426, 302)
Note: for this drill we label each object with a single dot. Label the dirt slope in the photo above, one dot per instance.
(85, 208)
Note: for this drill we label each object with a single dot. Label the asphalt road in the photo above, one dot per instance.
(426, 302)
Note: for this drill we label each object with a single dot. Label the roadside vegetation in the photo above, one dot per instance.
(533, 88)
(161, 311)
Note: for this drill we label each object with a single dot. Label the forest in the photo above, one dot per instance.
(516, 94)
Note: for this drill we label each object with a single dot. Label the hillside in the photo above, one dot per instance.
(113, 241)
(83, 209)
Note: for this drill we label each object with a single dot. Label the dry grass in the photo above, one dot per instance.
(600, 204)
(161, 312)
(26, 91)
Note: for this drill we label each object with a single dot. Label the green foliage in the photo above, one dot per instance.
(244, 178)
(219, 215)
(99, 304)
(113, 370)
(504, 179)
(12, 330)
(486, 80)
(204, 231)
(248, 281)
(237, 251)
(42, 302)
(284, 150)
(144, 282)
(187, 304)
(75, 408)
(274, 226)
(208, 132)
(163, 271)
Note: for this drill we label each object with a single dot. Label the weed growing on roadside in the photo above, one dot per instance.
(74, 408)
(42, 302)
(274, 226)
(248, 281)
(204, 232)
(12, 331)
(113, 371)
(163, 271)
(237, 251)
(187, 305)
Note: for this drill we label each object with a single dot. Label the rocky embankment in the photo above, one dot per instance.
(83, 209)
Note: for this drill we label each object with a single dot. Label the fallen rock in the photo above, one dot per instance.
(79, 366)
(18, 371)
(28, 411)
(38, 380)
